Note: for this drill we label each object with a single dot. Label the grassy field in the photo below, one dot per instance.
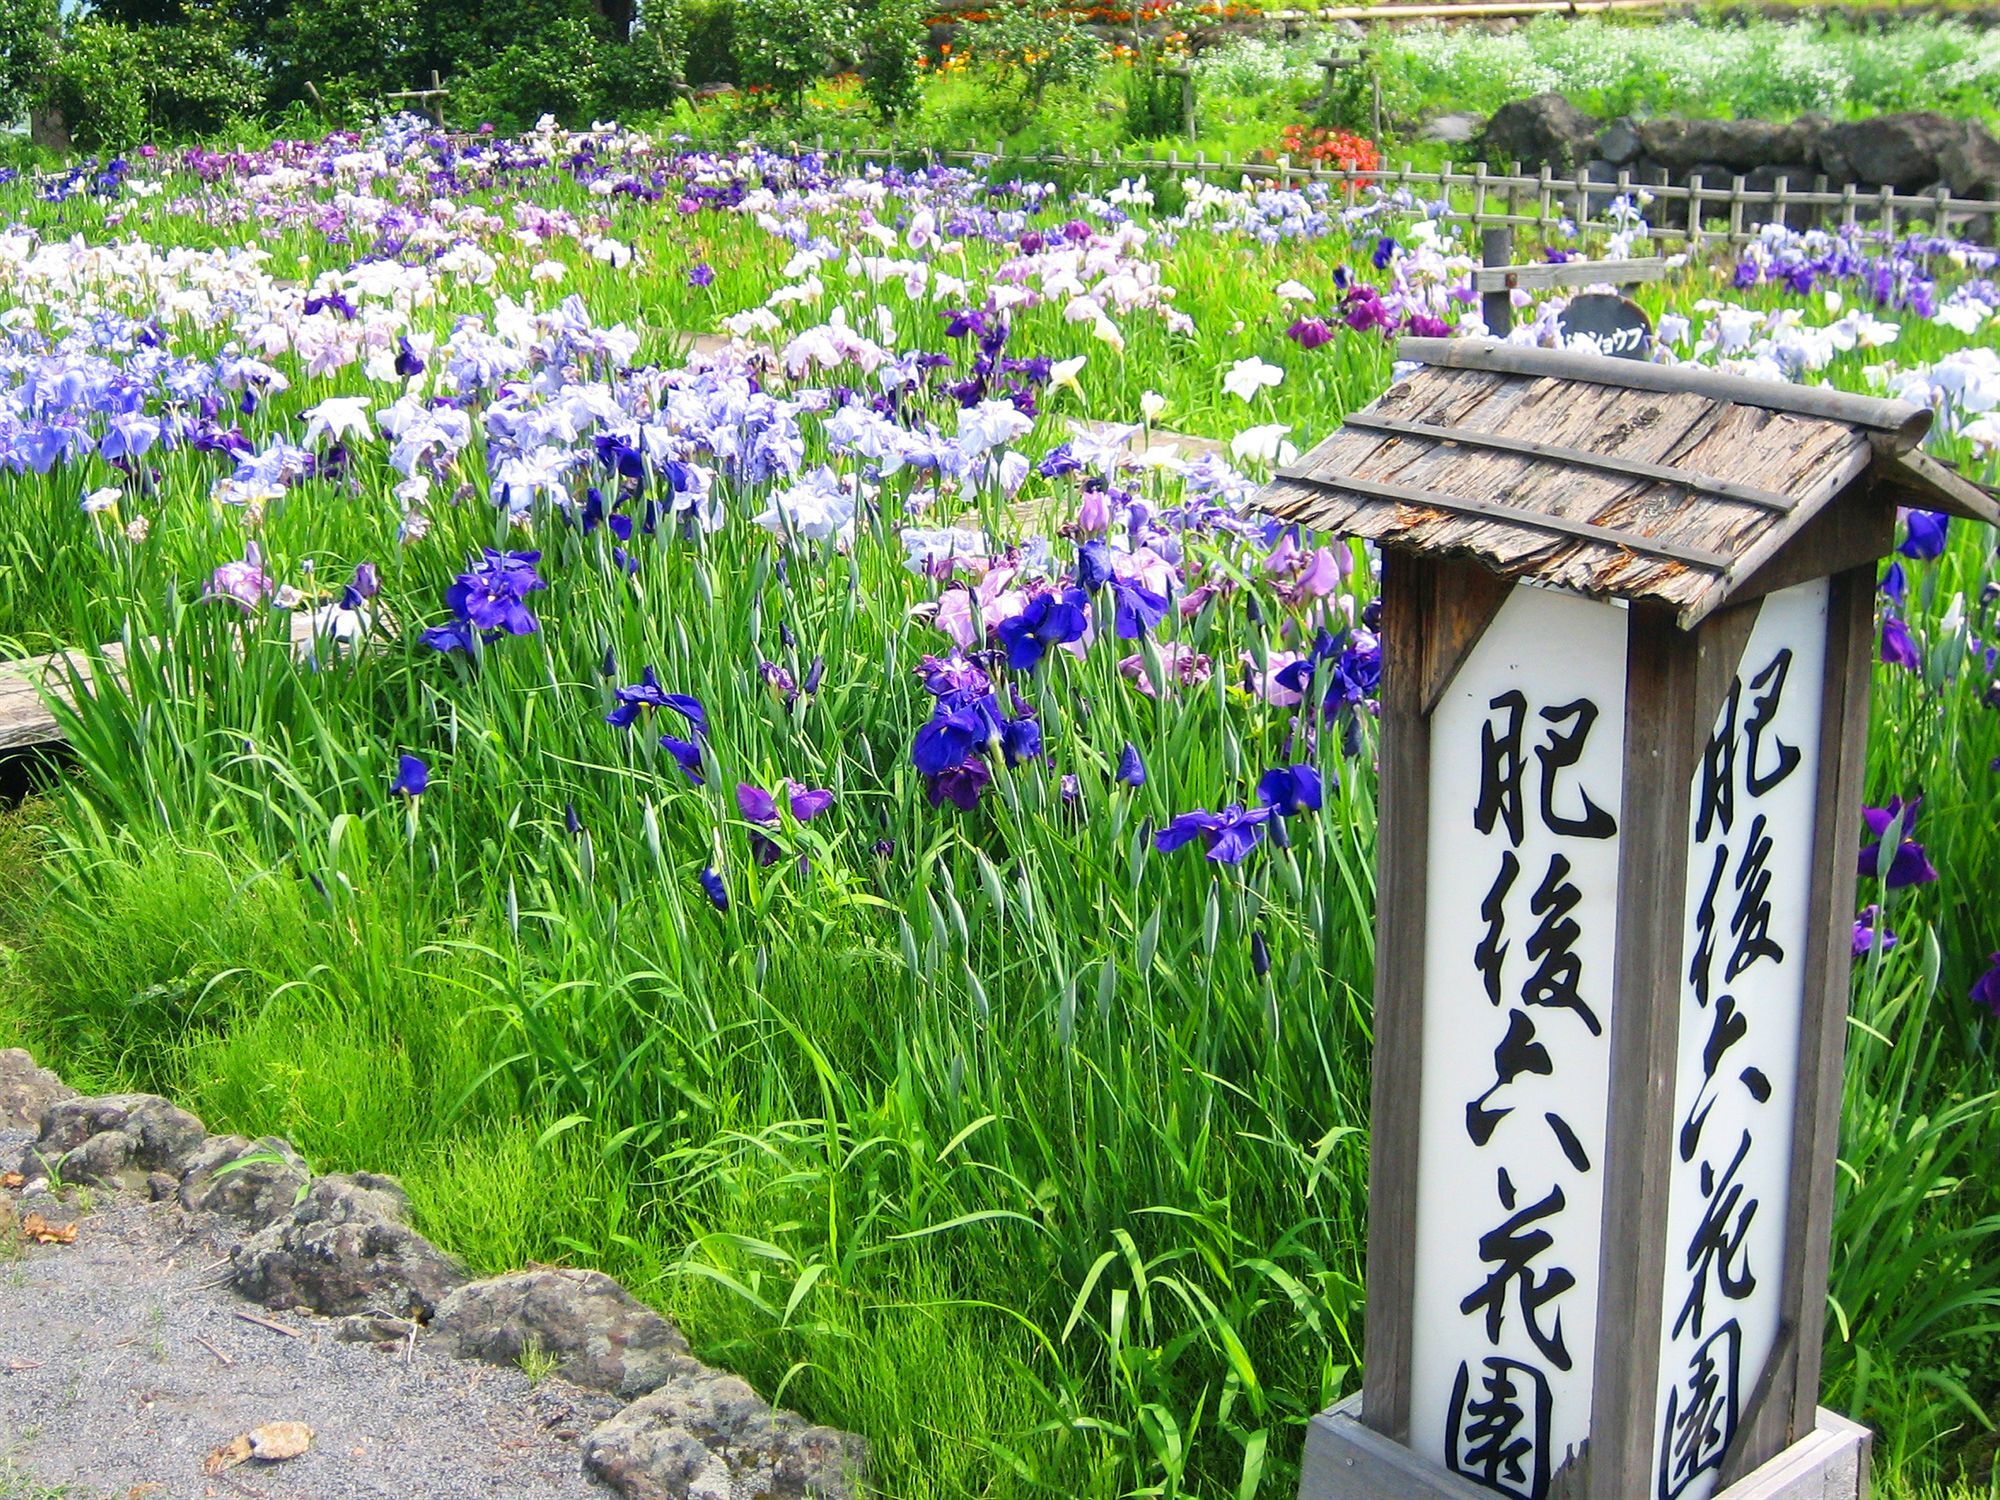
(945, 1105)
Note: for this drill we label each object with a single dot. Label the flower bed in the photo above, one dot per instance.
(869, 849)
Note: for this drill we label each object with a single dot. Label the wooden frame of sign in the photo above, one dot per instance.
(1628, 623)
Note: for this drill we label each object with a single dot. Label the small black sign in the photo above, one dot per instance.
(1616, 325)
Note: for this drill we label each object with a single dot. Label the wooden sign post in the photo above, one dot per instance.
(1628, 619)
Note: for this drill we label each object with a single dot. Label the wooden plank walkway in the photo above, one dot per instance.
(26, 721)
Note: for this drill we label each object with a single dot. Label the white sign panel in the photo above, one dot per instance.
(1527, 766)
(1743, 970)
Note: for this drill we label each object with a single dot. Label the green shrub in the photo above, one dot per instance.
(198, 80)
(892, 45)
(27, 37)
(784, 47)
(1153, 99)
(95, 79)
(351, 51)
(646, 73)
(558, 71)
(1034, 50)
(711, 42)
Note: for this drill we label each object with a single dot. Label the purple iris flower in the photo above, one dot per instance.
(1020, 740)
(646, 693)
(1310, 333)
(1908, 865)
(948, 740)
(686, 754)
(1049, 620)
(1093, 565)
(1899, 647)
(960, 785)
(455, 635)
(1228, 836)
(1986, 989)
(1131, 769)
(760, 806)
(1385, 251)
(1869, 934)
(408, 361)
(1058, 461)
(713, 888)
(412, 777)
(701, 273)
(1138, 610)
(1895, 584)
(1260, 954)
(489, 595)
(1290, 790)
(1924, 535)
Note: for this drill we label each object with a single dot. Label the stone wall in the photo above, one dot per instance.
(1913, 152)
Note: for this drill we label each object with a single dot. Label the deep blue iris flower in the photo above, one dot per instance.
(1131, 769)
(1020, 740)
(645, 694)
(453, 636)
(1899, 647)
(412, 777)
(1228, 836)
(1986, 990)
(1290, 790)
(1138, 608)
(687, 754)
(1049, 620)
(960, 786)
(489, 596)
(1924, 535)
(1093, 565)
(951, 736)
(1907, 864)
(713, 888)
(1895, 583)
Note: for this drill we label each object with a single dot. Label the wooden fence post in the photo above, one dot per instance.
(1496, 308)
(1694, 234)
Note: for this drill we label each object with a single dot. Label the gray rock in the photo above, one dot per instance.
(707, 1436)
(1738, 145)
(1970, 162)
(253, 1182)
(1619, 143)
(1901, 151)
(116, 1140)
(1454, 129)
(1545, 130)
(603, 1337)
(27, 1091)
(346, 1249)
(1798, 178)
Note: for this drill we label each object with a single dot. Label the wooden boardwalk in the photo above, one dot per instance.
(28, 682)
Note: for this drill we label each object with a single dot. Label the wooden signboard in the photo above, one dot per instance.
(1627, 619)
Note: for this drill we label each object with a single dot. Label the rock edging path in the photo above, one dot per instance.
(214, 1285)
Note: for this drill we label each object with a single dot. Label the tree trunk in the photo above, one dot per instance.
(48, 129)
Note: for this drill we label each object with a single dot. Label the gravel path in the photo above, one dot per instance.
(124, 1364)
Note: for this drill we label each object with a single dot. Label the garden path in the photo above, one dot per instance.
(125, 1362)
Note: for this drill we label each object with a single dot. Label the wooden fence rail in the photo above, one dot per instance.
(1696, 212)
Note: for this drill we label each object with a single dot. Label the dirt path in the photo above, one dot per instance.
(124, 1362)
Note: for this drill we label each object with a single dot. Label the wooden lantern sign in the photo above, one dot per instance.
(1628, 623)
